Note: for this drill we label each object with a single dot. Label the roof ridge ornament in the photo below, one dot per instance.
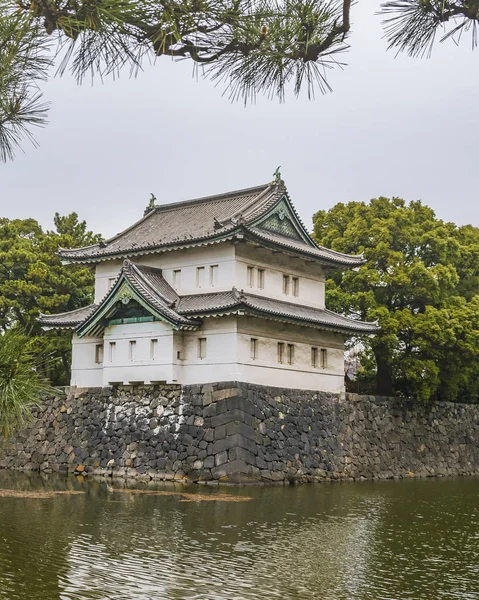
(151, 205)
(277, 177)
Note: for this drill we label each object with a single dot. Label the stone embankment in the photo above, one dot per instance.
(241, 432)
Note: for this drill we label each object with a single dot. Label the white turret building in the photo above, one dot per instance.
(224, 288)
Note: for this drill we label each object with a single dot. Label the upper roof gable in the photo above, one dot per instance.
(264, 211)
(283, 220)
(180, 223)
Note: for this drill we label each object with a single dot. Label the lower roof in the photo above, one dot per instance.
(148, 286)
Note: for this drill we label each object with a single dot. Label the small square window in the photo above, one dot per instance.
(324, 358)
(254, 348)
(98, 354)
(132, 350)
(280, 352)
(261, 279)
(201, 347)
(200, 277)
(296, 286)
(112, 346)
(286, 284)
(250, 277)
(213, 275)
(290, 354)
(314, 357)
(111, 282)
(176, 279)
(154, 349)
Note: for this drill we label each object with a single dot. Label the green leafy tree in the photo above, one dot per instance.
(420, 282)
(254, 46)
(21, 387)
(33, 281)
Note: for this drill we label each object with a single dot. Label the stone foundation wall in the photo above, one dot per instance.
(245, 433)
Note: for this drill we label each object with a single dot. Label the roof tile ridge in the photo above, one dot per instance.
(69, 312)
(212, 198)
(292, 304)
(259, 231)
(135, 268)
(331, 312)
(244, 210)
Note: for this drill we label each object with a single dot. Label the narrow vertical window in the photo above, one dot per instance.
(314, 357)
(112, 348)
(254, 348)
(98, 353)
(280, 352)
(200, 277)
(290, 354)
(250, 277)
(296, 286)
(154, 349)
(176, 279)
(111, 281)
(213, 275)
(201, 347)
(324, 358)
(261, 279)
(132, 350)
(286, 284)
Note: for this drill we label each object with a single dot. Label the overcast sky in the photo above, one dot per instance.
(392, 126)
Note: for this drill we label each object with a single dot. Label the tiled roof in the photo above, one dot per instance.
(202, 304)
(150, 285)
(182, 222)
(206, 220)
(67, 320)
(324, 254)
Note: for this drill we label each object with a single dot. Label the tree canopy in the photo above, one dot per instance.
(33, 280)
(253, 46)
(421, 283)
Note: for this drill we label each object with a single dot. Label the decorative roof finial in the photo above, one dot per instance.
(277, 176)
(151, 206)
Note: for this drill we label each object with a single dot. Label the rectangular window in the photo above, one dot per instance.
(286, 284)
(213, 275)
(296, 286)
(261, 279)
(314, 357)
(324, 358)
(254, 348)
(176, 279)
(111, 281)
(154, 349)
(250, 277)
(200, 277)
(201, 347)
(280, 352)
(132, 350)
(112, 352)
(98, 353)
(290, 354)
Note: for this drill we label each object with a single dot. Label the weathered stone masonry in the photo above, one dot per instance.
(242, 432)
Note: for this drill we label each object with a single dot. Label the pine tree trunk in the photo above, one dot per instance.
(384, 374)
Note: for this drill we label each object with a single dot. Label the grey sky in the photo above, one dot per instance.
(391, 126)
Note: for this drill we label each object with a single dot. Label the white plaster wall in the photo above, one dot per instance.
(187, 260)
(85, 371)
(228, 355)
(276, 264)
(142, 367)
(266, 369)
(220, 363)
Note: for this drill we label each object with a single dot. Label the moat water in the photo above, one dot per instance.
(392, 540)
